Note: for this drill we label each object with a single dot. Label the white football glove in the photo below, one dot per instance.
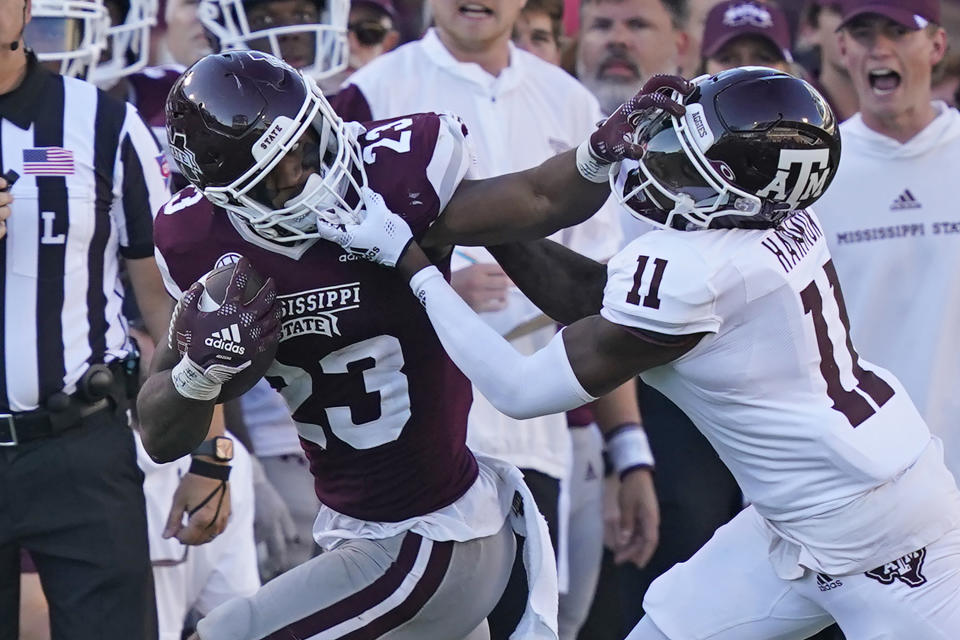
(380, 237)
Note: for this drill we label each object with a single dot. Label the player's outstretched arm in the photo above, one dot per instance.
(586, 360)
(597, 362)
(564, 190)
(564, 284)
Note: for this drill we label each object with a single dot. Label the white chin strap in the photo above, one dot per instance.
(307, 222)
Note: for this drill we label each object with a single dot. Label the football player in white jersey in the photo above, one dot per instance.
(733, 310)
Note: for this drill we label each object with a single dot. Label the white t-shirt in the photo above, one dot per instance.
(893, 227)
(806, 429)
(531, 111)
(267, 418)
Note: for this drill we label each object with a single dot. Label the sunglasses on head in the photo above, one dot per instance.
(369, 33)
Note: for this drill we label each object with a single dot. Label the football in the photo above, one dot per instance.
(215, 284)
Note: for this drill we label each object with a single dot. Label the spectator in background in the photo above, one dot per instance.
(624, 42)
(371, 32)
(538, 29)
(182, 40)
(742, 33)
(823, 62)
(697, 11)
(520, 110)
(895, 244)
(946, 79)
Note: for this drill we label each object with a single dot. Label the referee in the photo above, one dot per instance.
(87, 176)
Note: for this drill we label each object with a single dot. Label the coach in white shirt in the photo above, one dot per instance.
(520, 110)
(890, 214)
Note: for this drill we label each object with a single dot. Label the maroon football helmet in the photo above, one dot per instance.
(231, 118)
(753, 145)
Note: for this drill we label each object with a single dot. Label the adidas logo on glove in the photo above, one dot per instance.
(226, 339)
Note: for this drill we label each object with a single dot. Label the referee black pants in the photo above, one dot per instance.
(75, 502)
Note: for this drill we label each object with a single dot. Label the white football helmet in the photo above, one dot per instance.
(71, 32)
(326, 49)
(128, 43)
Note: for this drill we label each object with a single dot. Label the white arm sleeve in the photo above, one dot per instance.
(518, 385)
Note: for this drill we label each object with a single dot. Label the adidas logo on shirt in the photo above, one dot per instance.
(226, 339)
(905, 201)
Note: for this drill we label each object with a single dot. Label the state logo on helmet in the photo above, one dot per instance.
(311, 35)
(233, 117)
(754, 145)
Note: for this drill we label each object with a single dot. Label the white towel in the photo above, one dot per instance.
(539, 621)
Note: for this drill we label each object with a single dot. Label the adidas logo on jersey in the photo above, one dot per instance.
(826, 583)
(905, 201)
(226, 339)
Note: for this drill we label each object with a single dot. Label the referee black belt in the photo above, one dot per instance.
(17, 428)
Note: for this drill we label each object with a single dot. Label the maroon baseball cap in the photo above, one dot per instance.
(730, 20)
(384, 5)
(912, 14)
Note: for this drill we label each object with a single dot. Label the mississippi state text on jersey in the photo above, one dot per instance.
(380, 408)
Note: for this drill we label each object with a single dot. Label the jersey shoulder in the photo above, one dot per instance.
(416, 162)
(191, 237)
(184, 224)
(663, 282)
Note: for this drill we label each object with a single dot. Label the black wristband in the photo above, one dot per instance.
(210, 470)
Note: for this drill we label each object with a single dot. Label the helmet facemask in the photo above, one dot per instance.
(329, 152)
(127, 44)
(71, 32)
(229, 26)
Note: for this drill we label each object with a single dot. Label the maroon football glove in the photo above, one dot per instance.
(613, 140)
(216, 345)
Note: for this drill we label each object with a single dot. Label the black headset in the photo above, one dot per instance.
(23, 25)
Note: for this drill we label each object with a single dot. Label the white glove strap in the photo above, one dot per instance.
(190, 381)
(590, 167)
(628, 448)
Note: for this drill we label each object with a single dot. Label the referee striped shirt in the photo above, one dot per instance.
(91, 179)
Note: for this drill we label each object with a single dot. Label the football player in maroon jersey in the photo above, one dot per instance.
(420, 530)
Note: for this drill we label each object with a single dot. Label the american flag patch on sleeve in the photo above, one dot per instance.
(48, 161)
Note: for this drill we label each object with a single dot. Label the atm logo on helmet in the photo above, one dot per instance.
(811, 168)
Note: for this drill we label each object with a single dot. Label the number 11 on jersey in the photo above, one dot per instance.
(652, 298)
(851, 403)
